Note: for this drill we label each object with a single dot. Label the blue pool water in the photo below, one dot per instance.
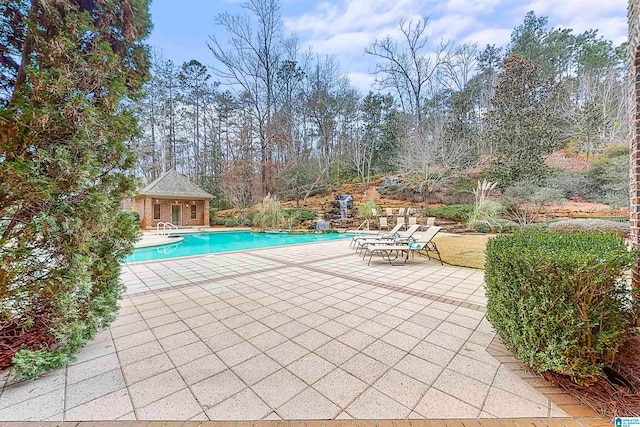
(206, 243)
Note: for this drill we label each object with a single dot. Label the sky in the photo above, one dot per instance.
(344, 28)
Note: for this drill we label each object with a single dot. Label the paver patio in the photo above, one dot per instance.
(298, 332)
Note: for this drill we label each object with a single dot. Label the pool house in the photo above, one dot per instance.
(173, 198)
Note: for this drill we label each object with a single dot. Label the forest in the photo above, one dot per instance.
(275, 117)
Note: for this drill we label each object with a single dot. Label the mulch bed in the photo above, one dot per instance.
(14, 337)
(607, 399)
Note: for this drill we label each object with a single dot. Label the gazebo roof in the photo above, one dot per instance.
(173, 184)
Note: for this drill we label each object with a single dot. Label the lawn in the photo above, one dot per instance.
(465, 250)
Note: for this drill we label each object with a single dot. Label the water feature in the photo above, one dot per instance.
(344, 202)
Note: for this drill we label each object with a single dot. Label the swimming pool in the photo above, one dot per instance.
(206, 243)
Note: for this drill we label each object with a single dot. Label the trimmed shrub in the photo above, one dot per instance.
(302, 214)
(452, 212)
(499, 225)
(231, 222)
(560, 301)
(214, 220)
(590, 225)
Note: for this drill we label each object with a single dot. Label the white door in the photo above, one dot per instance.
(176, 214)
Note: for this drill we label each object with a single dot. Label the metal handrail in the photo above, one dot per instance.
(365, 222)
(165, 226)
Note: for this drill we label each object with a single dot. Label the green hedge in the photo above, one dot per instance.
(453, 212)
(588, 224)
(560, 301)
(302, 214)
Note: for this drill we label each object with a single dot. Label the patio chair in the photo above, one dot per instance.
(431, 221)
(401, 212)
(389, 211)
(380, 235)
(383, 222)
(412, 220)
(400, 220)
(374, 212)
(424, 244)
(397, 239)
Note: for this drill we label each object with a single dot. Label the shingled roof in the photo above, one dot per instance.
(172, 184)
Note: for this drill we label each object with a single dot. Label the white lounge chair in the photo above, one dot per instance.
(412, 221)
(383, 222)
(431, 221)
(389, 211)
(400, 220)
(380, 235)
(397, 239)
(401, 212)
(392, 253)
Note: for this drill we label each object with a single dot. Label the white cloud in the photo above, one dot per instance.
(343, 43)
(450, 26)
(608, 17)
(355, 15)
(472, 6)
(497, 36)
(578, 9)
(361, 81)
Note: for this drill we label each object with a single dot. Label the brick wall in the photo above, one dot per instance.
(634, 121)
(144, 207)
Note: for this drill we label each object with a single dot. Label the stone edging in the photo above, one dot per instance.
(562, 399)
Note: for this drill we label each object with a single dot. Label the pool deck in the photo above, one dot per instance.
(294, 333)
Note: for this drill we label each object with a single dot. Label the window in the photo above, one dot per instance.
(156, 211)
(194, 212)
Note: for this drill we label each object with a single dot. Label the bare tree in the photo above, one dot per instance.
(249, 60)
(408, 69)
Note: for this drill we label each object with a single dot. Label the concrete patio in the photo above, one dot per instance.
(298, 332)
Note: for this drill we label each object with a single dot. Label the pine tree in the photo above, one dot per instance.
(66, 66)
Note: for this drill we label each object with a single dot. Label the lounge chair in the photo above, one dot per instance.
(380, 235)
(401, 212)
(374, 212)
(389, 211)
(391, 253)
(412, 221)
(397, 239)
(400, 220)
(383, 223)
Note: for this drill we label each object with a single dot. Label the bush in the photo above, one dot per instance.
(399, 192)
(302, 214)
(525, 201)
(231, 222)
(488, 216)
(496, 225)
(609, 181)
(452, 212)
(560, 301)
(214, 220)
(269, 214)
(590, 225)
(569, 183)
(365, 209)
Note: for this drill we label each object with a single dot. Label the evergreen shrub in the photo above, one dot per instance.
(560, 301)
(453, 212)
